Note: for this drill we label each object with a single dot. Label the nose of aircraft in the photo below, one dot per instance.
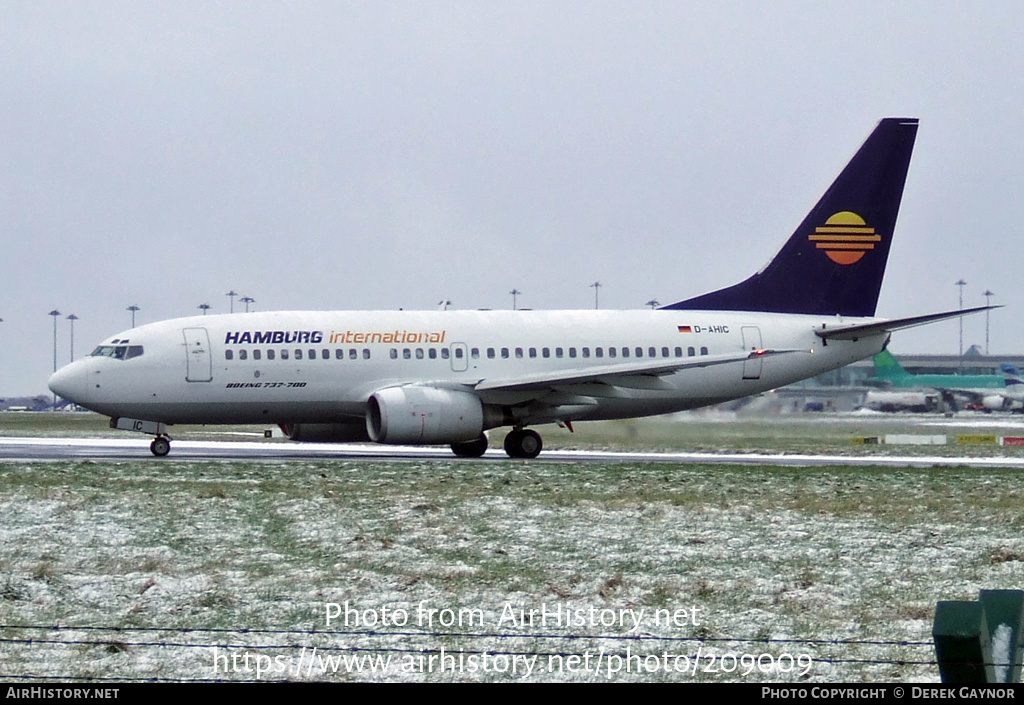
(69, 382)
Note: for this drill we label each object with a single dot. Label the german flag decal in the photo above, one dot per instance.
(685, 329)
(845, 237)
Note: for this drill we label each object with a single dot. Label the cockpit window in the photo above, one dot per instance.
(118, 352)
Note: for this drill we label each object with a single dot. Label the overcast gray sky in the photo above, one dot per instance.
(352, 155)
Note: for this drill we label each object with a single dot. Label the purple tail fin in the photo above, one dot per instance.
(834, 262)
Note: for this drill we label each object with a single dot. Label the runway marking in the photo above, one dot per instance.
(49, 449)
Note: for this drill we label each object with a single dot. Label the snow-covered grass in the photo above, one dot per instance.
(748, 553)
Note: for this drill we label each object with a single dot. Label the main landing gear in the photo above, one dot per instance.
(523, 443)
(471, 449)
(519, 443)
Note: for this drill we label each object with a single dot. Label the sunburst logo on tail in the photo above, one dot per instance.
(845, 237)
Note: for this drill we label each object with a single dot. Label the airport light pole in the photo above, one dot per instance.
(204, 307)
(247, 300)
(961, 283)
(232, 294)
(596, 286)
(72, 318)
(133, 308)
(515, 293)
(653, 303)
(988, 302)
(55, 313)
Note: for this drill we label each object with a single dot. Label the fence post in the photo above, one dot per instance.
(963, 646)
(1005, 609)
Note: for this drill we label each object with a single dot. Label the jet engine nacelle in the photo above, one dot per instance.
(424, 415)
(325, 432)
(994, 402)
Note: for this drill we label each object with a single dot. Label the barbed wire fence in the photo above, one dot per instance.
(186, 655)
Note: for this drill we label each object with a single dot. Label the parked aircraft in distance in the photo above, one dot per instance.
(989, 392)
(918, 401)
(446, 377)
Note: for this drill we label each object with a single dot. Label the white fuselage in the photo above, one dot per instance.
(321, 367)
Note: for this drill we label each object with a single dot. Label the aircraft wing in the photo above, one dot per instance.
(863, 330)
(610, 373)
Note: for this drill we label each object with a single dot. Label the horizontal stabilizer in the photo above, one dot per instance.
(865, 330)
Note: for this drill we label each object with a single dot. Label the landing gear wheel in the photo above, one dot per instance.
(471, 449)
(160, 446)
(523, 443)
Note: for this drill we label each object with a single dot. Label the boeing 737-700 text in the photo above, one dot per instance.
(446, 377)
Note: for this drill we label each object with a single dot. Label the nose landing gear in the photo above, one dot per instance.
(160, 446)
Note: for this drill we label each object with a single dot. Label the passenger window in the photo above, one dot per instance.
(690, 352)
(242, 355)
(353, 354)
(703, 351)
(533, 352)
(445, 354)
(558, 352)
(504, 353)
(406, 354)
(458, 353)
(651, 352)
(519, 352)
(586, 352)
(312, 353)
(229, 354)
(419, 353)
(611, 352)
(433, 353)
(679, 352)
(257, 354)
(339, 354)
(572, 352)
(325, 354)
(474, 353)
(284, 354)
(394, 354)
(639, 352)
(298, 354)
(490, 353)
(598, 352)
(546, 352)
(664, 352)
(366, 353)
(625, 352)
(270, 354)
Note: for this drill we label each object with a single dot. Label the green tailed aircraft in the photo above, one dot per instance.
(990, 392)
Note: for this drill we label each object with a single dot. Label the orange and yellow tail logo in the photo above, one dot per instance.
(845, 237)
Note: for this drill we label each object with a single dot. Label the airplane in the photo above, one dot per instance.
(917, 401)
(988, 392)
(447, 377)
